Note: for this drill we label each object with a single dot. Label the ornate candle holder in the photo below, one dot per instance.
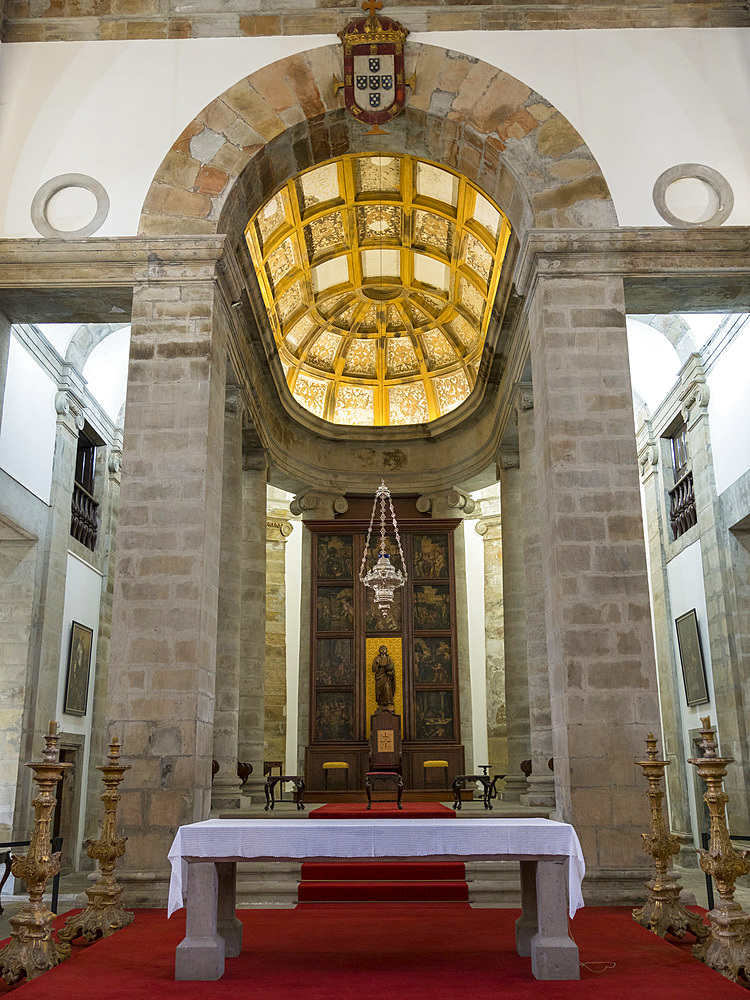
(104, 914)
(727, 948)
(662, 912)
(31, 950)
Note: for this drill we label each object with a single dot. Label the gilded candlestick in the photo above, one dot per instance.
(727, 948)
(662, 912)
(31, 950)
(104, 913)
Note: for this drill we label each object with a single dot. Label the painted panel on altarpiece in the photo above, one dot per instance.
(335, 557)
(434, 715)
(334, 715)
(432, 608)
(335, 610)
(430, 556)
(432, 661)
(334, 663)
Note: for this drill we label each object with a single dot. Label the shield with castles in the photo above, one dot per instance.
(374, 84)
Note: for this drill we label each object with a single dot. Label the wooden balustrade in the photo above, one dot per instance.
(682, 513)
(84, 523)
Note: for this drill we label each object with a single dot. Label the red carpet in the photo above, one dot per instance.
(382, 810)
(423, 952)
(377, 881)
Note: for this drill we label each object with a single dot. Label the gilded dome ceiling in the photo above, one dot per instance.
(378, 273)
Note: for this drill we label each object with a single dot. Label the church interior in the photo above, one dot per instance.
(234, 301)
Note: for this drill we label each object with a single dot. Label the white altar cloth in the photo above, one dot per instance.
(279, 839)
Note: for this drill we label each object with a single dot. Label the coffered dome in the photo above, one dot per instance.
(378, 273)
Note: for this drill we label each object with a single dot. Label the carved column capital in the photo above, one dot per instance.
(424, 504)
(508, 459)
(458, 500)
(694, 394)
(254, 460)
(523, 397)
(71, 410)
(233, 405)
(304, 502)
(648, 459)
(489, 527)
(278, 529)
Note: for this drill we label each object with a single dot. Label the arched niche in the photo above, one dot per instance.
(285, 118)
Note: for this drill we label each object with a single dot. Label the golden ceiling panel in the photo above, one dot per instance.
(379, 273)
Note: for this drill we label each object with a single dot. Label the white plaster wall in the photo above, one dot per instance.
(293, 577)
(111, 110)
(644, 100)
(474, 547)
(27, 432)
(106, 372)
(82, 593)
(654, 363)
(729, 411)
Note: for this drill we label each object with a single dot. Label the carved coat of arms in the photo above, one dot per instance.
(374, 85)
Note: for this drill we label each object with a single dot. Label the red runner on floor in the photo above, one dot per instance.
(382, 810)
(419, 951)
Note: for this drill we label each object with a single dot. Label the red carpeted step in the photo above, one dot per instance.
(365, 871)
(383, 891)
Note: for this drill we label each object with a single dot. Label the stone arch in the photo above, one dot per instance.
(85, 339)
(465, 113)
(676, 330)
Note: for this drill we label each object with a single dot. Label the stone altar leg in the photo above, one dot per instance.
(228, 924)
(200, 955)
(554, 955)
(528, 923)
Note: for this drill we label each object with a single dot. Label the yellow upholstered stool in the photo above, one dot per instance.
(336, 765)
(436, 763)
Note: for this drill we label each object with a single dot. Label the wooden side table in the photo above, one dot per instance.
(297, 780)
(487, 783)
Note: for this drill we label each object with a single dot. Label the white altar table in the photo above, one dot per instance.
(204, 857)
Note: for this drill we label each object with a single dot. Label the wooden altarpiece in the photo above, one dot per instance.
(346, 630)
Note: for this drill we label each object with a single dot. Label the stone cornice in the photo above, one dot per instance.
(314, 17)
(107, 261)
(719, 257)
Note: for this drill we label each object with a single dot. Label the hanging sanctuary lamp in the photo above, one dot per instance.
(383, 577)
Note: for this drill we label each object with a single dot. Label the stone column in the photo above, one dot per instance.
(109, 470)
(253, 623)
(456, 503)
(729, 674)
(225, 791)
(667, 657)
(541, 791)
(163, 651)
(489, 528)
(602, 674)
(514, 637)
(278, 530)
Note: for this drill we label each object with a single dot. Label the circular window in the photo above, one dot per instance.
(69, 205)
(691, 195)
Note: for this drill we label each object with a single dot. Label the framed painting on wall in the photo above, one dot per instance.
(79, 661)
(691, 658)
